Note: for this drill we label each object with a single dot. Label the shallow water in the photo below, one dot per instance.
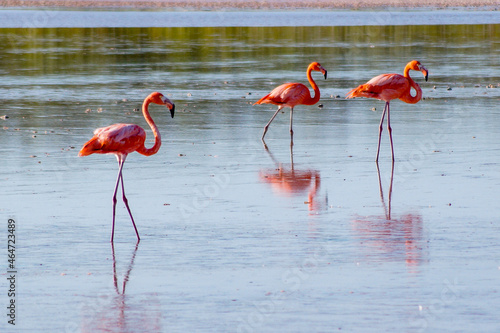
(237, 238)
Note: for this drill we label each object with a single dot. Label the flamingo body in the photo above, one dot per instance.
(115, 139)
(387, 87)
(291, 95)
(287, 95)
(123, 139)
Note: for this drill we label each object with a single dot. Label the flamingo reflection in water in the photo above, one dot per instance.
(288, 181)
(121, 313)
(392, 238)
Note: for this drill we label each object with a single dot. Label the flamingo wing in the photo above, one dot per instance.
(117, 138)
(385, 87)
(287, 94)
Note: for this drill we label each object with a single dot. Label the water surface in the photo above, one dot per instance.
(49, 18)
(237, 238)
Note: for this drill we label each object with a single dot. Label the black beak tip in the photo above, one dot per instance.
(426, 77)
(325, 74)
(172, 110)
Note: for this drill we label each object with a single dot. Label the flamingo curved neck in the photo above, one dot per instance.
(317, 95)
(153, 150)
(408, 98)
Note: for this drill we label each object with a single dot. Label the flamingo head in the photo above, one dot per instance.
(158, 98)
(315, 66)
(417, 66)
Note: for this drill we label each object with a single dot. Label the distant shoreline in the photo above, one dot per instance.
(252, 4)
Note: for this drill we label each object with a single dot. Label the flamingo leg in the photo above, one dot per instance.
(389, 128)
(115, 279)
(291, 130)
(120, 167)
(387, 208)
(125, 200)
(121, 161)
(381, 190)
(390, 188)
(380, 129)
(270, 121)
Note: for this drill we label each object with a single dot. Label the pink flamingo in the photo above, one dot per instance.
(387, 87)
(292, 94)
(123, 139)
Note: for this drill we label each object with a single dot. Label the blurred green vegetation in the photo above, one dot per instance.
(51, 50)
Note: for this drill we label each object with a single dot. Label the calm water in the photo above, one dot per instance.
(236, 238)
(47, 18)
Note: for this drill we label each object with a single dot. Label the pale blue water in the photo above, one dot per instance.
(48, 18)
(234, 237)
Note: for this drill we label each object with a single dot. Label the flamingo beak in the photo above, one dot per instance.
(168, 103)
(425, 72)
(323, 71)
(172, 109)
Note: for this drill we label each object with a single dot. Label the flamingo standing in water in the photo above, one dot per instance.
(387, 87)
(123, 139)
(292, 94)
